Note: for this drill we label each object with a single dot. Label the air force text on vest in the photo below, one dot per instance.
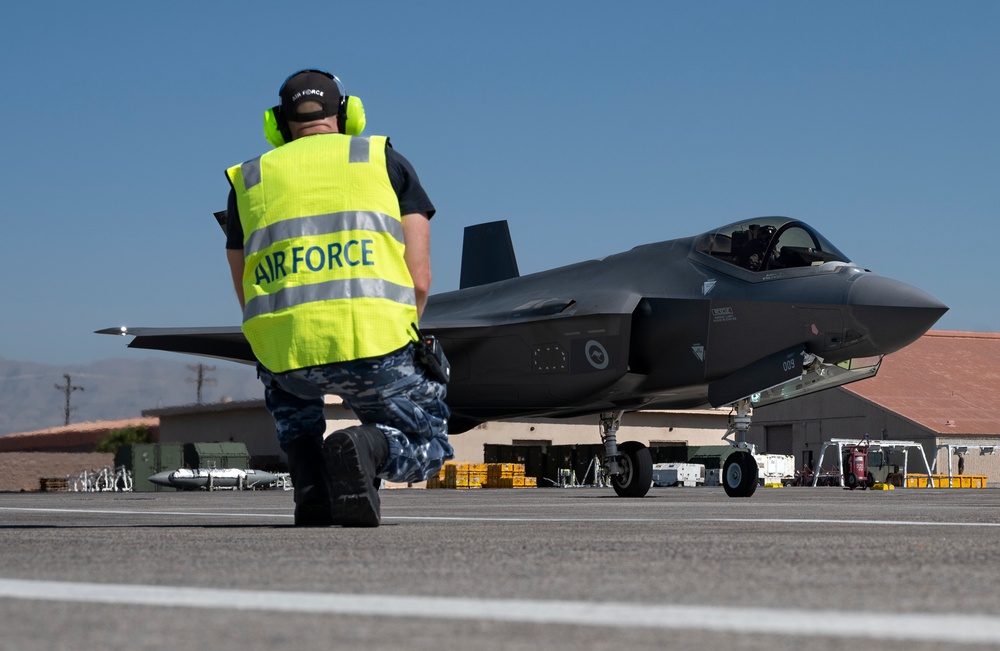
(279, 264)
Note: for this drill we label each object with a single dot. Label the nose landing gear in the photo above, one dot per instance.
(740, 472)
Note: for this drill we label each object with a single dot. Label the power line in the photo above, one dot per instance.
(69, 389)
(201, 380)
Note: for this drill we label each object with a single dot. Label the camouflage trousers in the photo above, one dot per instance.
(390, 392)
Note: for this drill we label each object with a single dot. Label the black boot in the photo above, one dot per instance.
(353, 456)
(308, 472)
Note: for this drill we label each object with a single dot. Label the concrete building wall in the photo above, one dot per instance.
(648, 427)
(245, 422)
(974, 461)
(22, 471)
(249, 422)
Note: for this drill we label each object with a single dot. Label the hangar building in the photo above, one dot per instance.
(939, 391)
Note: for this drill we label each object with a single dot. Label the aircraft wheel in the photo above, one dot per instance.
(739, 475)
(636, 470)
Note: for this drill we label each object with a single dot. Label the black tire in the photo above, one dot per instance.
(869, 480)
(636, 465)
(752, 471)
(851, 480)
(739, 474)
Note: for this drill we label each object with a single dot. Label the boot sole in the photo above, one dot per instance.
(355, 501)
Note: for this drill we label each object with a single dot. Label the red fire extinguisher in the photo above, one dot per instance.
(856, 473)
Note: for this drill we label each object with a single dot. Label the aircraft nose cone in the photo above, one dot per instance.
(893, 313)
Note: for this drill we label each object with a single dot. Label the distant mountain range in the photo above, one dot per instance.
(113, 389)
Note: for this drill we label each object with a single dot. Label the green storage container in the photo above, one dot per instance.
(151, 458)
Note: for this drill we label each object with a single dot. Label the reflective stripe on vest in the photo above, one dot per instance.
(330, 290)
(353, 220)
(325, 277)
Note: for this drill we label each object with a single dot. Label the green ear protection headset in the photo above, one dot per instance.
(350, 114)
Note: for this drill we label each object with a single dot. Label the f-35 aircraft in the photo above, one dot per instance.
(746, 315)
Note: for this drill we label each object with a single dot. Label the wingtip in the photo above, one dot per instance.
(120, 330)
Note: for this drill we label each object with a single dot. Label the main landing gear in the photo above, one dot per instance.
(630, 465)
(740, 472)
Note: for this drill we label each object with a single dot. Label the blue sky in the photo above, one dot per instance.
(592, 127)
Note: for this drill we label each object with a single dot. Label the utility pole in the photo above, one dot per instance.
(201, 380)
(68, 389)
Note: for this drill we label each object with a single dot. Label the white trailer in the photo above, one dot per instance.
(678, 474)
(775, 468)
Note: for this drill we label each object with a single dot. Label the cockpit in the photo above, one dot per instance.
(769, 243)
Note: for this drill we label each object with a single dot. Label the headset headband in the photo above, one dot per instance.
(350, 112)
(335, 78)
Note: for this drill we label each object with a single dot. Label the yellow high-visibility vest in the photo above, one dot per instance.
(325, 278)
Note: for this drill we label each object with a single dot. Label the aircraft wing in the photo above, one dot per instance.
(225, 342)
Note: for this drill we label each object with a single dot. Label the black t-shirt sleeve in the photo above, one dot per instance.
(234, 228)
(412, 196)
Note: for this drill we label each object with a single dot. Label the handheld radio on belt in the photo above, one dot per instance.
(429, 353)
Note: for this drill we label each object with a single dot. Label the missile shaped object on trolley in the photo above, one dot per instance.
(208, 478)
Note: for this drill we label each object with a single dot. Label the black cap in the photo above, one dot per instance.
(309, 85)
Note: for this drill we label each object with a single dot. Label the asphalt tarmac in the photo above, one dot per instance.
(683, 568)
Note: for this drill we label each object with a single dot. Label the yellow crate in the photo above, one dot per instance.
(481, 475)
(497, 470)
(941, 481)
(515, 482)
(965, 481)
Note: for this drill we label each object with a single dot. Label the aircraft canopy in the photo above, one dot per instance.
(768, 243)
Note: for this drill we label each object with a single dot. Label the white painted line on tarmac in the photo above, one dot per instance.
(480, 518)
(462, 518)
(923, 627)
(131, 512)
(445, 518)
(894, 523)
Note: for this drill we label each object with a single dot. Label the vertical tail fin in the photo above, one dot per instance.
(487, 254)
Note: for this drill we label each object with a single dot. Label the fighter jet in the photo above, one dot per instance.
(745, 315)
(209, 478)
